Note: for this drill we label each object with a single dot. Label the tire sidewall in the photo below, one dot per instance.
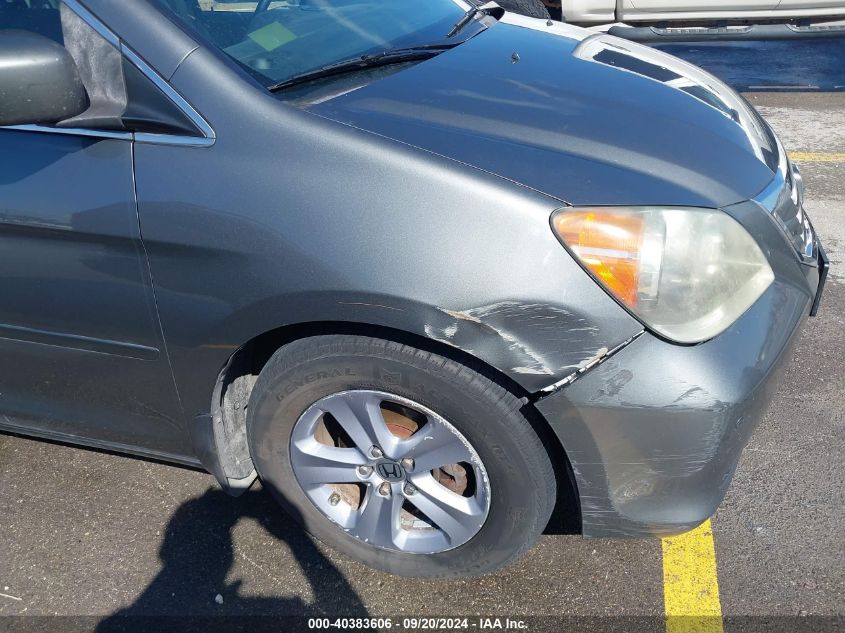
(281, 397)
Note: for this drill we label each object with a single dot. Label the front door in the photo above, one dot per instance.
(81, 351)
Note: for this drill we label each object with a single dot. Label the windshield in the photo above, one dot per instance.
(279, 39)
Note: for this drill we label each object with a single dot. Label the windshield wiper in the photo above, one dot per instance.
(474, 11)
(362, 62)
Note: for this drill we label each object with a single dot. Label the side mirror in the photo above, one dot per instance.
(39, 81)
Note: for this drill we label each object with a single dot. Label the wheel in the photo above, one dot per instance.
(402, 459)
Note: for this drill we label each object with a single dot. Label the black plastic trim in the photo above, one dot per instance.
(824, 267)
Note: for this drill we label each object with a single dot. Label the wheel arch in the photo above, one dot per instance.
(224, 449)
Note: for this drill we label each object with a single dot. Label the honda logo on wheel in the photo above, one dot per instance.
(390, 471)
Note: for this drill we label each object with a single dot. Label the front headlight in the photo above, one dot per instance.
(688, 274)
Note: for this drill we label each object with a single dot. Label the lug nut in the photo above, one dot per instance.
(409, 489)
(365, 471)
(376, 452)
(407, 463)
(334, 499)
(384, 489)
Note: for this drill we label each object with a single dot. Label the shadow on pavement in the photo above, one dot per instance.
(197, 554)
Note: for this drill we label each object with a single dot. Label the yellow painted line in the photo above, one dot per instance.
(690, 583)
(817, 157)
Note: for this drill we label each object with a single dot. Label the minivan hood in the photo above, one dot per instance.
(586, 118)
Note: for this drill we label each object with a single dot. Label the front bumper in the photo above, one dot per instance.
(655, 433)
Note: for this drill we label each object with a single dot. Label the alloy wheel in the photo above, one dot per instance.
(390, 472)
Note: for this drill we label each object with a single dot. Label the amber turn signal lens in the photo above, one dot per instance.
(609, 244)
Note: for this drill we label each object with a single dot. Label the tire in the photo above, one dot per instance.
(509, 463)
(531, 8)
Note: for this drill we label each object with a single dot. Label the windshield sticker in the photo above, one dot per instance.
(272, 36)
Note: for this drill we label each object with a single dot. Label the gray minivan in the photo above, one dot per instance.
(428, 269)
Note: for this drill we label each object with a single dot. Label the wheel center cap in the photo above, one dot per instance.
(390, 470)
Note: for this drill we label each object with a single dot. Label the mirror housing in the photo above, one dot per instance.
(39, 81)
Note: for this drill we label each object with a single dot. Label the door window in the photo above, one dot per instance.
(37, 16)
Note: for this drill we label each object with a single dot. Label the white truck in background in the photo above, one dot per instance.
(692, 12)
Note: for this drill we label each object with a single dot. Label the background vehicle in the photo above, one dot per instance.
(680, 12)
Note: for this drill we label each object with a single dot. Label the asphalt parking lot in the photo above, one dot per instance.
(91, 535)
